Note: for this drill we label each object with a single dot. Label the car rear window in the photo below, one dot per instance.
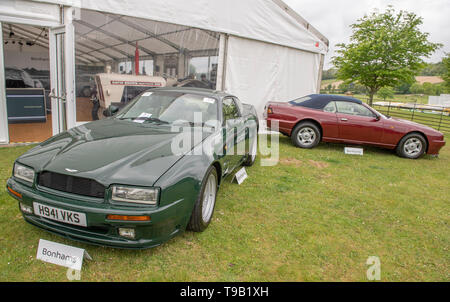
(301, 100)
(311, 102)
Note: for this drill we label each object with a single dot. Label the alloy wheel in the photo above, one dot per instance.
(306, 136)
(209, 198)
(412, 146)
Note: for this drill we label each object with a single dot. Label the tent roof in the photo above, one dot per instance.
(270, 21)
(102, 37)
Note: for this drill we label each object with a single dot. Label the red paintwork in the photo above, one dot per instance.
(359, 130)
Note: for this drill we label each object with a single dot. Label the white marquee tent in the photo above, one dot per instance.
(265, 50)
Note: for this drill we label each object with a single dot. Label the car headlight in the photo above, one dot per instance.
(135, 195)
(23, 173)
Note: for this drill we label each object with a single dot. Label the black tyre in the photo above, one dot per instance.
(253, 151)
(204, 206)
(306, 135)
(412, 146)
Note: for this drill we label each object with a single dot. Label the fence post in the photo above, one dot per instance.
(389, 108)
(440, 120)
(414, 110)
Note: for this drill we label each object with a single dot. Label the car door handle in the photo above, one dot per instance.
(344, 119)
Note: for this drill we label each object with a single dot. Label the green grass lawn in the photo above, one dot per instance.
(316, 216)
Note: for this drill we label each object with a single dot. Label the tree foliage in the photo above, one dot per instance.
(386, 93)
(416, 88)
(429, 88)
(446, 74)
(329, 74)
(433, 69)
(385, 49)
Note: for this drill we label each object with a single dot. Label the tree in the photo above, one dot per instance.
(429, 89)
(403, 88)
(386, 93)
(446, 74)
(192, 70)
(416, 88)
(360, 89)
(329, 74)
(385, 49)
(344, 87)
(433, 69)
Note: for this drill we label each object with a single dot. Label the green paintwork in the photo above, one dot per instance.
(113, 151)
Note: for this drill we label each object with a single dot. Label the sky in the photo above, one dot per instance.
(334, 17)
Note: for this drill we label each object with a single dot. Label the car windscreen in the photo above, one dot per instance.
(170, 107)
(380, 114)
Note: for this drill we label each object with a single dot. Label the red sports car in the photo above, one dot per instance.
(338, 119)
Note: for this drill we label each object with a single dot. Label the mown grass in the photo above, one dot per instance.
(315, 216)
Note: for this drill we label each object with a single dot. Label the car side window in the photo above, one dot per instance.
(353, 109)
(229, 109)
(239, 105)
(330, 107)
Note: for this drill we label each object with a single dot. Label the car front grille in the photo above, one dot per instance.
(71, 184)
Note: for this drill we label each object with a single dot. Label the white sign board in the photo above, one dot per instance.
(142, 118)
(209, 100)
(60, 254)
(354, 151)
(241, 175)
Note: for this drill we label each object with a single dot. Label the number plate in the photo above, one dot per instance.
(59, 214)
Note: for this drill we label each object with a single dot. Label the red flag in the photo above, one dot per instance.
(136, 60)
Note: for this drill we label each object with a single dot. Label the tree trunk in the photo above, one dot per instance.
(371, 94)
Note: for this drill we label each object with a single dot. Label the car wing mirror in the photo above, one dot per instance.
(111, 110)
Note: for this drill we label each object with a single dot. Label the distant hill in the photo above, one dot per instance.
(429, 79)
(419, 79)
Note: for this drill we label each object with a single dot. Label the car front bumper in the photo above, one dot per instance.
(165, 222)
(435, 146)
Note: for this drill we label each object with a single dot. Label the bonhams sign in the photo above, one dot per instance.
(61, 254)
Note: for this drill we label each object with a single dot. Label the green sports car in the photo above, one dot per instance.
(140, 176)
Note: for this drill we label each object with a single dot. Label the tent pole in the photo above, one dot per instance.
(4, 134)
(222, 62)
(319, 80)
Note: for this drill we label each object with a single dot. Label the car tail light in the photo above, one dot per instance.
(269, 110)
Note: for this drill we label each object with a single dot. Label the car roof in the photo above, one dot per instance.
(198, 91)
(334, 97)
(319, 101)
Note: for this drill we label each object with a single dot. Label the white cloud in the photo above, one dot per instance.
(333, 18)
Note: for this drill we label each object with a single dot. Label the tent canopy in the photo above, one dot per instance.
(264, 20)
(102, 37)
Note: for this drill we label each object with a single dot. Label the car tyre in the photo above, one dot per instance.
(306, 135)
(412, 146)
(253, 151)
(204, 206)
(86, 92)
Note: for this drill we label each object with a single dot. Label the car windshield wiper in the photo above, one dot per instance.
(145, 119)
(192, 124)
